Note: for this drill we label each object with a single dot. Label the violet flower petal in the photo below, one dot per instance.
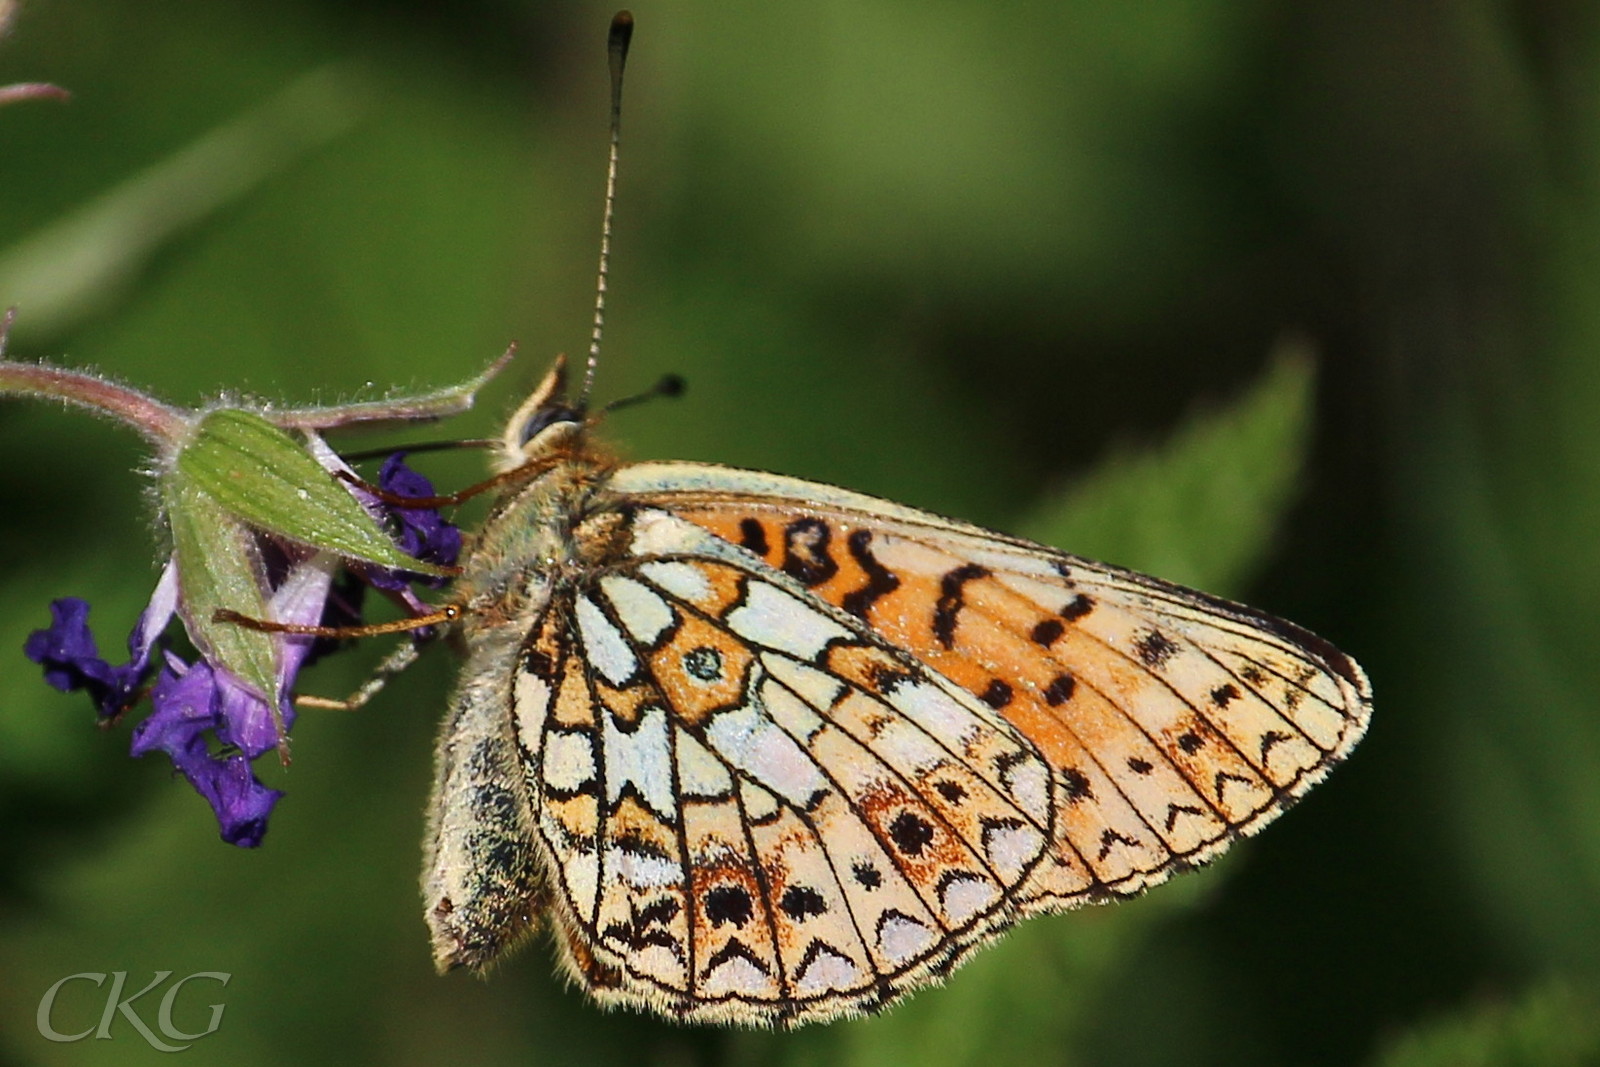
(189, 700)
(67, 651)
(424, 533)
(184, 700)
(154, 620)
(241, 802)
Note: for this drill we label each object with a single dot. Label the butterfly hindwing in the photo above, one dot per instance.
(751, 807)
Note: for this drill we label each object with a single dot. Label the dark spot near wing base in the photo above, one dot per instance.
(753, 537)
(805, 551)
(997, 695)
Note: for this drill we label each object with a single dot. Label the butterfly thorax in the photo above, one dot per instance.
(540, 535)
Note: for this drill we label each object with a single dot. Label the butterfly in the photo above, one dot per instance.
(766, 751)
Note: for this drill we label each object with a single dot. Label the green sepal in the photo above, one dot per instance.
(219, 566)
(259, 473)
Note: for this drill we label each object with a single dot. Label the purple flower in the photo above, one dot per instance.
(209, 724)
(256, 529)
(190, 701)
(71, 658)
(423, 532)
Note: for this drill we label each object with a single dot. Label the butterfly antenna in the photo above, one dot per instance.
(617, 46)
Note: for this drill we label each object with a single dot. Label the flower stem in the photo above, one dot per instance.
(164, 426)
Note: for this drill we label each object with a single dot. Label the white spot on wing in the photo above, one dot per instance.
(965, 897)
(604, 644)
(530, 702)
(829, 970)
(699, 772)
(789, 711)
(1010, 848)
(1028, 783)
(568, 761)
(641, 609)
(682, 580)
(736, 975)
(755, 745)
(901, 939)
(758, 803)
(580, 868)
(771, 618)
(937, 712)
(642, 757)
(817, 688)
(656, 533)
(641, 871)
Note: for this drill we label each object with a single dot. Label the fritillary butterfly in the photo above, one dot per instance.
(765, 751)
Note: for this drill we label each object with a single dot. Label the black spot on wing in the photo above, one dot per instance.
(801, 902)
(997, 695)
(753, 537)
(880, 580)
(728, 904)
(1223, 695)
(1076, 784)
(1077, 607)
(1046, 633)
(952, 599)
(704, 663)
(911, 833)
(1154, 649)
(805, 551)
(1059, 691)
(866, 874)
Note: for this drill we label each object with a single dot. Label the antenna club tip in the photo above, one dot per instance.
(671, 385)
(621, 29)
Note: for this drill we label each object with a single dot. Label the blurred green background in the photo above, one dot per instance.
(1025, 263)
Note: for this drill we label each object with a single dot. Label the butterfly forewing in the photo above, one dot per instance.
(1172, 721)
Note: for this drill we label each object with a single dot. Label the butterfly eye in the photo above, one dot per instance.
(547, 417)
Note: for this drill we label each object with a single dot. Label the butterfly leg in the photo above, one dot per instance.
(392, 664)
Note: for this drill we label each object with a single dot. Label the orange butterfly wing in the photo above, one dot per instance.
(1174, 721)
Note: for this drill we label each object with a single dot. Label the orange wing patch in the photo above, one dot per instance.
(1170, 727)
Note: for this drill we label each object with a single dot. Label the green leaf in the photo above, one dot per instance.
(1553, 1026)
(73, 267)
(1202, 508)
(219, 566)
(258, 473)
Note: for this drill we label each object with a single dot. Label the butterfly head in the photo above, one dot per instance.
(546, 422)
